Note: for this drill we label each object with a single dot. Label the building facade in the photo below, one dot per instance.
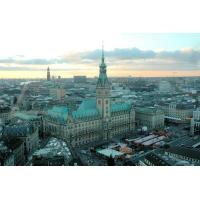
(27, 133)
(57, 93)
(6, 156)
(184, 153)
(178, 112)
(195, 123)
(151, 117)
(96, 119)
(16, 145)
(5, 114)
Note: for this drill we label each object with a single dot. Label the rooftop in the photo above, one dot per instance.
(25, 116)
(148, 110)
(184, 151)
(18, 130)
(86, 109)
(156, 160)
(116, 107)
(55, 147)
(12, 142)
(60, 112)
(109, 152)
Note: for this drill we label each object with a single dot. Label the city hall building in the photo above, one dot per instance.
(96, 119)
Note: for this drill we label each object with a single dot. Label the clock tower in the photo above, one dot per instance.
(103, 97)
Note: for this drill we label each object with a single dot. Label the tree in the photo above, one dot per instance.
(111, 161)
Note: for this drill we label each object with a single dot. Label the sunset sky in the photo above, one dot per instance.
(67, 37)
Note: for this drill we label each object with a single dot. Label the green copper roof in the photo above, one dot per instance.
(87, 109)
(25, 116)
(120, 107)
(49, 83)
(102, 80)
(58, 112)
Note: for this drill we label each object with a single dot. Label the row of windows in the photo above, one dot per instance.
(99, 102)
(183, 157)
(84, 124)
(120, 117)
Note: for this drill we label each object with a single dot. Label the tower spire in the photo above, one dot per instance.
(102, 58)
(102, 80)
(48, 74)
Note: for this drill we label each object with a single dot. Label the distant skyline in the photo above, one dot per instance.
(67, 38)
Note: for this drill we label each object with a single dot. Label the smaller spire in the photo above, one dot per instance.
(102, 58)
(48, 74)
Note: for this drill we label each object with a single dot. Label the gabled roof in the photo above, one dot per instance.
(59, 112)
(87, 109)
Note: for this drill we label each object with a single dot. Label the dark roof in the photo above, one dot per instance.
(156, 160)
(185, 106)
(12, 142)
(18, 130)
(185, 151)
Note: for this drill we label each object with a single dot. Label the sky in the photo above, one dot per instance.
(67, 36)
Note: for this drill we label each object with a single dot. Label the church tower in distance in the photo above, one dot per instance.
(48, 74)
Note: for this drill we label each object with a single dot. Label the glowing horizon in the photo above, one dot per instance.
(68, 74)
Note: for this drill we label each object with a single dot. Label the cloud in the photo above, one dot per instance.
(13, 68)
(189, 55)
(126, 53)
(35, 61)
(124, 58)
(185, 55)
(136, 59)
